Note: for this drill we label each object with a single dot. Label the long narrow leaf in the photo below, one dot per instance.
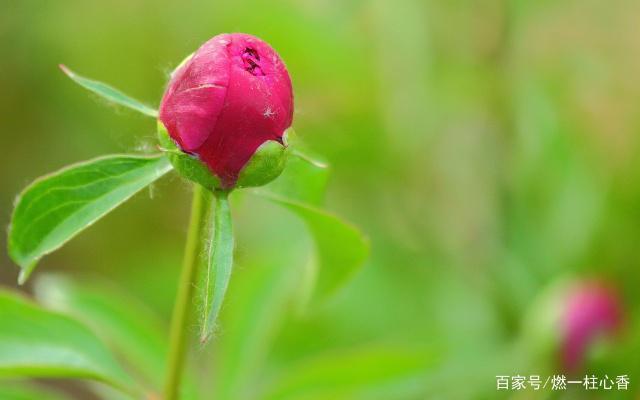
(110, 93)
(341, 248)
(56, 207)
(215, 280)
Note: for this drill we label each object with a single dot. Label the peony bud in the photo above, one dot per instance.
(592, 310)
(567, 321)
(225, 113)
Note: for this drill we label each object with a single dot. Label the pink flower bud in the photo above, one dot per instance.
(592, 310)
(229, 98)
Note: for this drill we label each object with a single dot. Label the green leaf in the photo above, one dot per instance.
(109, 93)
(215, 280)
(132, 330)
(39, 343)
(56, 207)
(341, 248)
(257, 303)
(26, 391)
(304, 179)
(120, 320)
(366, 373)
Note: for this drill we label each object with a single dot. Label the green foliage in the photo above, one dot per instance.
(56, 207)
(259, 299)
(341, 248)
(39, 343)
(304, 180)
(366, 373)
(23, 391)
(109, 93)
(134, 332)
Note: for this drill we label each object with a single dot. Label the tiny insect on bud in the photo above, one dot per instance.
(225, 111)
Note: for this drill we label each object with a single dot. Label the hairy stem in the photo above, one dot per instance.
(179, 342)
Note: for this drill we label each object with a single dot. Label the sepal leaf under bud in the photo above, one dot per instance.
(187, 165)
(266, 164)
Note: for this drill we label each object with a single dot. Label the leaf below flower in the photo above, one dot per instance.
(56, 207)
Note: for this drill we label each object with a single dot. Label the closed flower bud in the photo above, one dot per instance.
(592, 311)
(224, 114)
(569, 321)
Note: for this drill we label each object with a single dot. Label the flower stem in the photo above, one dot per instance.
(178, 340)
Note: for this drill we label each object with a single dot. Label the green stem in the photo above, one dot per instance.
(178, 343)
(220, 265)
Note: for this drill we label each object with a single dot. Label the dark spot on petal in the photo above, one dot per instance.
(251, 61)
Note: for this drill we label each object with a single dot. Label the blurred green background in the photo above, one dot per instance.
(488, 149)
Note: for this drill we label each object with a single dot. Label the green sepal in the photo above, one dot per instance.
(266, 164)
(187, 165)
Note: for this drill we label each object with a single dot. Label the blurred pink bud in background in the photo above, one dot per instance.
(593, 310)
